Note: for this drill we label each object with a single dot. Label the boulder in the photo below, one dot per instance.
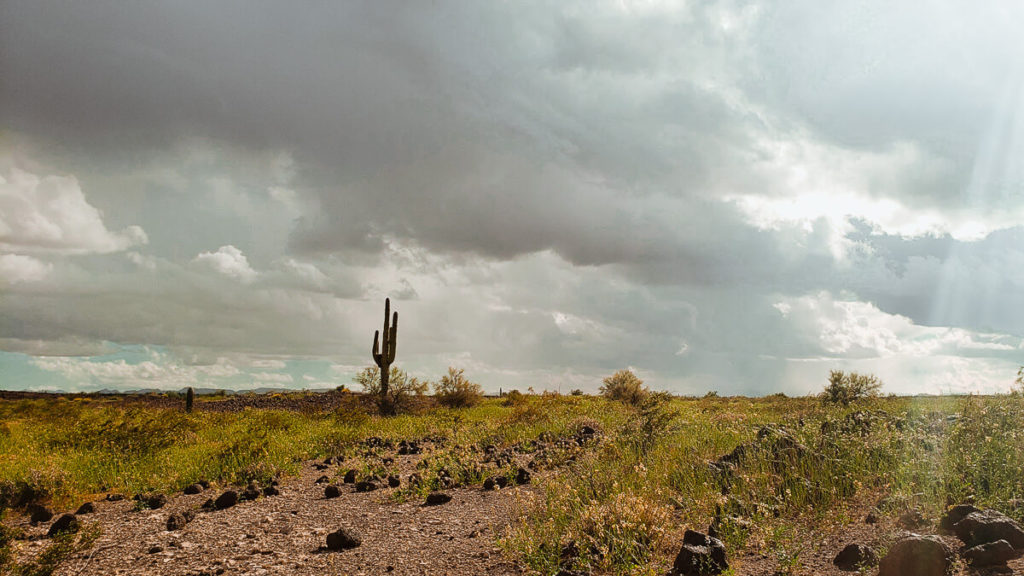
(271, 491)
(39, 513)
(194, 488)
(87, 508)
(436, 498)
(366, 486)
(394, 481)
(700, 555)
(322, 480)
(916, 555)
(522, 476)
(996, 553)
(343, 539)
(226, 500)
(988, 526)
(350, 477)
(954, 515)
(66, 524)
(251, 492)
(178, 520)
(332, 491)
(854, 557)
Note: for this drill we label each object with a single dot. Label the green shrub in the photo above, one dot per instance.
(844, 388)
(400, 387)
(576, 392)
(456, 391)
(514, 398)
(624, 386)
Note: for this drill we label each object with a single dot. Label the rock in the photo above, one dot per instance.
(332, 491)
(271, 491)
(954, 515)
(522, 476)
(114, 497)
(490, 484)
(350, 477)
(406, 448)
(226, 500)
(87, 508)
(177, 521)
(204, 484)
(916, 555)
(151, 501)
(322, 480)
(436, 498)
(989, 526)
(208, 505)
(193, 488)
(996, 553)
(251, 492)
(855, 556)
(366, 486)
(501, 481)
(871, 518)
(394, 481)
(156, 549)
(700, 555)
(343, 539)
(912, 519)
(39, 513)
(66, 524)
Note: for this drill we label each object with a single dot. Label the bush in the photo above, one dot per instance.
(514, 398)
(624, 386)
(844, 388)
(576, 392)
(400, 387)
(455, 391)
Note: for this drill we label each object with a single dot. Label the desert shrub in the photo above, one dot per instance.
(844, 388)
(624, 386)
(456, 391)
(576, 392)
(514, 398)
(400, 387)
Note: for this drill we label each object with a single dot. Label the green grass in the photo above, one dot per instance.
(618, 507)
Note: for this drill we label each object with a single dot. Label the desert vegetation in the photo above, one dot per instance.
(614, 480)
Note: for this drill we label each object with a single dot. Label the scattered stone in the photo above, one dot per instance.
(251, 492)
(916, 555)
(989, 526)
(177, 521)
(912, 520)
(366, 486)
(490, 484)
(522, 476)
(700, 555)
(114, 497)
(436, 498)
(87, 508)
(996, 553)
(271, 491)
(332, 491)
(66, 524)
(394, 481)
(954, 515)
(39, 513)
(320, 467)
(343, 539)
(151, 501)
(226, 500)
(156, 549)
(208, 505)
(331, 460)
(854, 557)
(205, 484)
(871, 518)
(322, 480)
(194, 488)
(350, 477)
(406, 448)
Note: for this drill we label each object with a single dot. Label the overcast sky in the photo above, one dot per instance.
(738, 196)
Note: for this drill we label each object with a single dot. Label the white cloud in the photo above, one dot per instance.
(161, 371)
(51, 214)
(17, 268)
(229, 261)
(273, 377)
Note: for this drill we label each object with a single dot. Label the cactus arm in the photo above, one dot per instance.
(377, 357)
(393, 339)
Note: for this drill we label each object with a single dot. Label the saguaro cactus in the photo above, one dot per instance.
(190, 397)
(384, 354)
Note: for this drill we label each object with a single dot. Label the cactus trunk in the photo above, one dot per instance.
(384, 349)
(190, 396)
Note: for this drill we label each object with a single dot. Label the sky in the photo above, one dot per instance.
(731, 196)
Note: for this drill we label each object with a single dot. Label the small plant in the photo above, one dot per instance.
(514, 398)
(844, 388)
(624, 386)
(400, 387)
(456, 391)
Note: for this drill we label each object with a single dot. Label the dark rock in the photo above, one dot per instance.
(996, 553)
(700, 555)
(322, 480)
(501, 481)
(854, 557)
(320, 466)
(209, 504)
(366, 486)
(871, 518)
(39, 513)
(350, 477)
(151, 501)
(156, 549)
(251, 492)
(989, 526)
(204, 484)
(406, 448)
(177, 521)
(114, 497)
(66, 524)
(490, 484)
(271, 491)
(394, 481)
(912, 519)
(226, 500)
(343, 539)
(194, 488)
(522, 476)
(916, 555)
(954, 515)
(87, 508)
(332, 491)
(436, 498)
